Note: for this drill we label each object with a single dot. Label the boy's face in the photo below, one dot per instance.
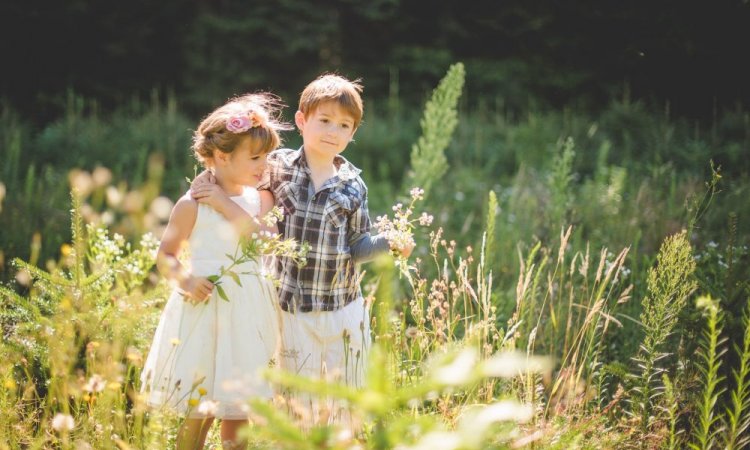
(326, 131)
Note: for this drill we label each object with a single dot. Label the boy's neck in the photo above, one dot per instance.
(321, 169)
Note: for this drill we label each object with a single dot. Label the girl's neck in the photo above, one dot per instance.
(231, 189)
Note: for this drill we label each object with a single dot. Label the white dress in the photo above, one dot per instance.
(216, 346)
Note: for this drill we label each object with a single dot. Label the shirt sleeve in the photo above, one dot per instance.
(265, 181)
(368, 247)
(362, 244)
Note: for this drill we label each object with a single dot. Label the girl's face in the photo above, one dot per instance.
(243, 166)
(326, 131)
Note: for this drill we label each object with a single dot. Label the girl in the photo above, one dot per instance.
(206, 348)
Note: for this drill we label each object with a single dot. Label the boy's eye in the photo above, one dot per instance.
(255, 158)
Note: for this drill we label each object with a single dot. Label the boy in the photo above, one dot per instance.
(324, 319)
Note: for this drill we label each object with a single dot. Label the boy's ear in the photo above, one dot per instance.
(299, 120)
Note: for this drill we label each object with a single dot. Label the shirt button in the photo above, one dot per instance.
(309, 220)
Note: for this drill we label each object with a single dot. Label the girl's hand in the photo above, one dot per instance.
(197, 289)
(204, 177)
(210, 194)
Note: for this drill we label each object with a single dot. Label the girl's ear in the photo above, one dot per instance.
(299, 120)
(221, 158)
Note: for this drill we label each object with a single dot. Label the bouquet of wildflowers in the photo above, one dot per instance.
(400, 230)
(256, 246)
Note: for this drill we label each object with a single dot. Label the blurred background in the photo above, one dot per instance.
(549, 53)
(102, 96)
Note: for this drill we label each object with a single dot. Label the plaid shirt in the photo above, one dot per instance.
(331, 220)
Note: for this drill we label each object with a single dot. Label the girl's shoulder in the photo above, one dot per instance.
(187, 199)
(185, 205)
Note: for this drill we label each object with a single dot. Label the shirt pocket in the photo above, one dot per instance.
(339, 207)
(286, 196)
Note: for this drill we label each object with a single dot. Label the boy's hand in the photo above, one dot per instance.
(197, 289)
(404, 251)
(204, 177)
(209, 194)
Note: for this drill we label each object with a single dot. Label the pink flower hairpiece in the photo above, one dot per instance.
(239, 123)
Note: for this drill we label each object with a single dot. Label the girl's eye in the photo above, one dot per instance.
(255, 158)
(345, 125)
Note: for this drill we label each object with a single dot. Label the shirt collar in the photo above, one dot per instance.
(346, 170)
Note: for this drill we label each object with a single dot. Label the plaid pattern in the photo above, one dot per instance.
(330, 220)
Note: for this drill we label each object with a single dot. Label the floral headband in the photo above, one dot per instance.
(239, 123)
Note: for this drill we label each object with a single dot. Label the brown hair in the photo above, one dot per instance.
(332, 87)
(212, 133)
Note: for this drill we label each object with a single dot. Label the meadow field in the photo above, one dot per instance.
(584, 282)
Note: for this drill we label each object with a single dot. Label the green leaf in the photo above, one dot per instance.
(213, 278)
(221, 292)
(235, 277)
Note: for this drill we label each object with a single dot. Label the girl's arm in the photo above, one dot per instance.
(266, 204)
(178, 230)
(214, 196)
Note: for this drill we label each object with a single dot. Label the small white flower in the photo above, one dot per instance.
(63, 422)
(425, 219)
(161, 207)
(208, 407)
(95, 384)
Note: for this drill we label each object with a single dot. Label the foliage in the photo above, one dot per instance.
(428, 162)
(709, 426)
(669, 285)
(74, 342)
(738, 412)
(199, 51)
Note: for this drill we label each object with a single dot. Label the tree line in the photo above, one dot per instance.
(552, 52)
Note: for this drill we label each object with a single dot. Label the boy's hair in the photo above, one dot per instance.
(332, 87)
(260, 113)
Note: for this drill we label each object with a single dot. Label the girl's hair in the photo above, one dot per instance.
(332, 87)
(256, 116)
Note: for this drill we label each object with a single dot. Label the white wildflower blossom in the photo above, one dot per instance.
(161, 207)
(399, 230)
(63, 422)
(425, 219)
(101, 176)
(208, 407)
(417, 193)
(95, 384)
